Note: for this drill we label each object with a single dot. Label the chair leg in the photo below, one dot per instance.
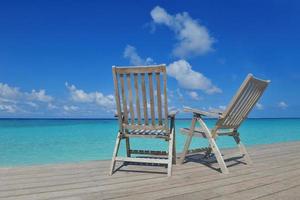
(214, 147)
(128, 147)
(174, 149)
(188, 142)
(170, 156)
(208, 152)
(218, 155)
(242, 149)
(115, 153)
(186, 149)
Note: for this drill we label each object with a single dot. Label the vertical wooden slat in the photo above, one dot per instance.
(249, 100)
(119, 112)
(244, 97)
(137, 99)
(257, 93)
(165, 98)
(151, 98)
(228, 111)
(144, 99)
(158, 94)
(253, 103)
(130, 98)
(124, 98)
(249, 105)
(243, 102)
(238, 104)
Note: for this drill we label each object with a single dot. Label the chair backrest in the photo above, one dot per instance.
(141, 97)
(243, 102)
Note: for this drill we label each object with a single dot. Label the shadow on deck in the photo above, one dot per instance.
(274, 174)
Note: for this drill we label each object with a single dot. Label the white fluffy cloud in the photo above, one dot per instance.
(70, 108)
(77, 95)
(220, 108)
(282, 105)
(134, 59)
(193, 38)
(13, 100)
(12, 94)
(259, 106)
(39, 96)
(187, 78)
(181, 70)
(194, 95)
(8, 93)
(8, 108)
(179, 94)
(51, 106)
(32, 104)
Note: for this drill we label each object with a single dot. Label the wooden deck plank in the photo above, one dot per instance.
(85, 175)
(211, 186)
(292, 193)
(177, 178)
(276, 171)
(236, 190)
(35, 169)
(268, 188)
(29, 171)
(119, 173)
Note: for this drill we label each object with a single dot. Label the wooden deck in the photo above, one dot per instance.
(275, 174)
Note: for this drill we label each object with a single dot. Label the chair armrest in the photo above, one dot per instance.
(171, 116)
(173, 113)
(217, 112)
(201, 112)
(117, 115)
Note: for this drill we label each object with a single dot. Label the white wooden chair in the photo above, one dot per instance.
(228, 122)
(143, 85)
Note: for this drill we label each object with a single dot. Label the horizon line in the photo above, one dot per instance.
(113, 118)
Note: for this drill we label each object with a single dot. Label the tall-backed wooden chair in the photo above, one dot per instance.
(142, 111)
(228, 122)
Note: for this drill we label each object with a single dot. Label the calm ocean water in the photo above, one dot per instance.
(27, 142)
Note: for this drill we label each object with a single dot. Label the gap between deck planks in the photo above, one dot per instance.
(83, 174)
(274, 164)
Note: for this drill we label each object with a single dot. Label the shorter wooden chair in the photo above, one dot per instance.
(228, 122)
(142, 112)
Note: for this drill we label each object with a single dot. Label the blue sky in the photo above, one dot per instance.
(56, 56)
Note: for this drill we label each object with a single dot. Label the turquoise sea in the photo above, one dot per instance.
(43, 141)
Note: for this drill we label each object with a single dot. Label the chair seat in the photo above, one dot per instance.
(147, 133)
(199, 132)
